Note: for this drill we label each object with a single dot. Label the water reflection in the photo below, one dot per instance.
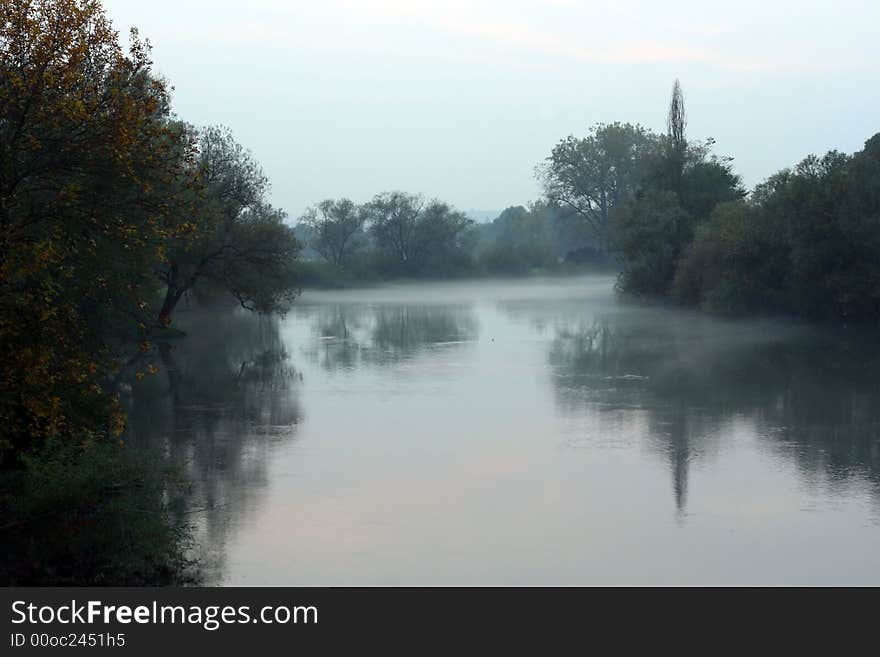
(808, 395)
(347, 336)
(520, 432)
(223, 399)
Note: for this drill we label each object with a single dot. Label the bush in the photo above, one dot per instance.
(95, 514)
(646, 232)
(516, 258)
(736, 263)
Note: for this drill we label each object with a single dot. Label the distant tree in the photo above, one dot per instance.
(394, 219)
(335, 227)
(239, 242)
(521, 239)
(443, 241)
(676, 144)
(417, 235)
(594, 174)
(676, 119)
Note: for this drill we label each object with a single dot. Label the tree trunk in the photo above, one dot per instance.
(172, 295)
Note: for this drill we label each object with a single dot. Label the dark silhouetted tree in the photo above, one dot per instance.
(239, 243)
(336, 226)
(417, 236)
(594, 174)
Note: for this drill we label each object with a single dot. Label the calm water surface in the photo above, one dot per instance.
(521, 432)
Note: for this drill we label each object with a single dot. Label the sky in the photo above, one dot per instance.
(461, 99)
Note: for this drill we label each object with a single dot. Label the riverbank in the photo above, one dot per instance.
(315, 274)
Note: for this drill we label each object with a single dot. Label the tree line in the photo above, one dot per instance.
(399, 234)
(682, 226)
(405, 234)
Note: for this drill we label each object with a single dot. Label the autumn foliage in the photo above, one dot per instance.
(86, 154)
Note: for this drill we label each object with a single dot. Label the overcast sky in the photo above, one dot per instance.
(460, 99)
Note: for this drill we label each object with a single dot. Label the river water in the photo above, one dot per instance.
(535, 431)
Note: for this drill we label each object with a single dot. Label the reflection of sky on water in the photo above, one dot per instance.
(527, 432)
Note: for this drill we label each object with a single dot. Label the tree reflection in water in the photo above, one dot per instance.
(224, 398)
(808, 395)
(352, 335)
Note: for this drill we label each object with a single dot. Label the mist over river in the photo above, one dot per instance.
(530, 431)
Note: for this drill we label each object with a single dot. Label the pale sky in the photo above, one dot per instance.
(460, 99)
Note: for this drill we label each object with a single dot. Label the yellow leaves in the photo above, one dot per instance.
(151, 369)
(117, 424)
(93, 137)
(46, 252)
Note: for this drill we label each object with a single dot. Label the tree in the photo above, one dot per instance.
(85, 144)
(256, 267)
(737, 263)
(593, 175)
(239, 243)
(828, 209)
(647, 232)
(443, 241)
(653, 229)
(676, 144)
(682, 184)
(394, 219)
(676, 119)
(520, 239)
(416, 235)
(805, 243)
(335, 227)
(707, 180)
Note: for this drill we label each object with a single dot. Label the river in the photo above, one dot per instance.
(534, 431)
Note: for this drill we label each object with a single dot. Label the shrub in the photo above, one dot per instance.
(95, 514)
